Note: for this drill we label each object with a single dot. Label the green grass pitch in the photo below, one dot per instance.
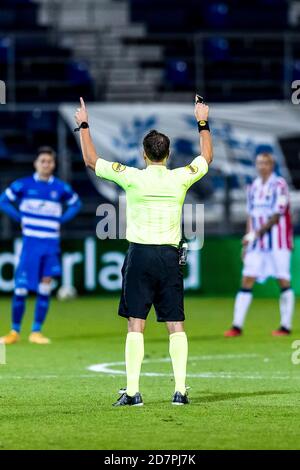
(244, 391)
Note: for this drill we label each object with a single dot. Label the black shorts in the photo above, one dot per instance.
(152, 276)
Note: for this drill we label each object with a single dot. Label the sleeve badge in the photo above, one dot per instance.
(118, 167)
(192, 169)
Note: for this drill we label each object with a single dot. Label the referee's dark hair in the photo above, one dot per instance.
(156, 146)
(47, 150)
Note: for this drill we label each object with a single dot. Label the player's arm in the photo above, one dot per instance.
(73, 204)
(274, 219)
(244, 241)
(199, 166)
(279, 208)
(252, 235)
(111, 171)
(7, 200)
(89, 153)
(206, 146)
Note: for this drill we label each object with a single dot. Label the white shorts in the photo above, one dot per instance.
(264, 264)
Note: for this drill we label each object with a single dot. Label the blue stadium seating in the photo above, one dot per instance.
(233, 68)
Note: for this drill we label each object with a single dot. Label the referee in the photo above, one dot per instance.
(151, 271)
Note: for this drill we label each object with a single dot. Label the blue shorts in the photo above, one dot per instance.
(39, 258)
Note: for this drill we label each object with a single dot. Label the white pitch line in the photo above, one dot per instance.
(106, 368)
(204, 375)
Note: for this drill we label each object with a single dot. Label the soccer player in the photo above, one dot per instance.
(151, 270)
(36, 202)
(267, 244)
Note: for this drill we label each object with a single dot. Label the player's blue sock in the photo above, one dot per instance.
(41, 309)
(18, 309)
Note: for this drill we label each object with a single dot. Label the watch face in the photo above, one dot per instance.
(202, 123)
(84, 125)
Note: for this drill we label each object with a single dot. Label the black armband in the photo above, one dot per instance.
(203, 126)
(83, 125)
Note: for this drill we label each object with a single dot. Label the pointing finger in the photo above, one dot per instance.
(82, 103)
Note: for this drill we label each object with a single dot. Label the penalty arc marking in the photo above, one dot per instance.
(109, 368)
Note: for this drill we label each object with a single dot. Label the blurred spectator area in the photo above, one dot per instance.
(53, 51)
(133, 50)
(35, 67)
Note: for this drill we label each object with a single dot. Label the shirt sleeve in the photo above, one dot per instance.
(69, 196)
(116, 172)
(249, 198)
(281, 198)
(193, 172)
(14, 191)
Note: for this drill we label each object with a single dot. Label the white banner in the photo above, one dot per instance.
(239, 130)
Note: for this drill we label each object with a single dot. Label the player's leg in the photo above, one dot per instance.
(49, 267)
(252, 265)
(242, 303)
(134, 354)
(135, 303)
(41, 310)
(26, 269)
(287, 297)
(169, 307)
(18, 309)
(178, 349)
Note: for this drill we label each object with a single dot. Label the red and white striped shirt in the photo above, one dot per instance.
(264, 199)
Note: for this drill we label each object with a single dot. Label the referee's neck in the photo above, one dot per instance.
(151, 163)
(156, 163)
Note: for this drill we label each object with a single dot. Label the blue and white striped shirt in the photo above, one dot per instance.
(41, 203)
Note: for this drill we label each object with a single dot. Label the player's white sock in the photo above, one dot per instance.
(241, 306)
(179, 354)
(286, 303)
(134, 354)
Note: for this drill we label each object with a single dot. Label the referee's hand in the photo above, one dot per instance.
(201, 112)
(81, 114)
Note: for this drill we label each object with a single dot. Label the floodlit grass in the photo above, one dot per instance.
(244, 391)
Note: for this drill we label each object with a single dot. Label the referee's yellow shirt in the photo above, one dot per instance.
(155, 196)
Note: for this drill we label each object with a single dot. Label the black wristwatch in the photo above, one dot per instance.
(83, 125)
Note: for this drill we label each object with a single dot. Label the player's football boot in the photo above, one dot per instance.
(126, 400)
(37, 337)
(234, 331)
(281, 332)
(179, 399)
(11, 338)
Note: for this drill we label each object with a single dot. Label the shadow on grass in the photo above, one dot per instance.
(217, 397)
(200, 399)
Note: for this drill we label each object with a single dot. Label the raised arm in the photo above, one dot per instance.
(206, 147)
(87, 147)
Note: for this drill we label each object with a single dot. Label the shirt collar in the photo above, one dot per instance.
(37, 178)
(156, 166)
(269, 180)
